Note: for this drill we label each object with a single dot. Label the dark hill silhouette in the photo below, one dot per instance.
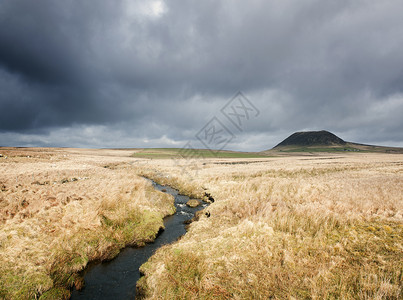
(312, 138)
(323, 141)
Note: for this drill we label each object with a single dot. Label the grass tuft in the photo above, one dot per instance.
(59, 215)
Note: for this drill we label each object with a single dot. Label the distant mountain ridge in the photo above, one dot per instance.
(324, 141)
(312, 138)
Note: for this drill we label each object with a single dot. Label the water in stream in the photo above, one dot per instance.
(117, 278)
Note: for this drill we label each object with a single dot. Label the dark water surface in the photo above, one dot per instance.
(117, 278)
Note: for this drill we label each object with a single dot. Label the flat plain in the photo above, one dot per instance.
(326, 225)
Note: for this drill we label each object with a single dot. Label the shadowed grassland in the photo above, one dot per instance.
(163, 153)
(321, 149)
(348, 147)
(61, 210)
(288, 227)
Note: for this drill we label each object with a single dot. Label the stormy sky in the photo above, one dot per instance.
(156, 73)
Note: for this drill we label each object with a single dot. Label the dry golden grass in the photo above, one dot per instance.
(61, 208)
(292, 227)
(317, 227)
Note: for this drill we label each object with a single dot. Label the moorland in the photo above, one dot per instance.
(303, 225)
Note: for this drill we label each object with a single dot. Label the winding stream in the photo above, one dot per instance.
(116, 279)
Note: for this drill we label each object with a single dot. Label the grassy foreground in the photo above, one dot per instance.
(302, 227)
(327, 227)
(61, 209)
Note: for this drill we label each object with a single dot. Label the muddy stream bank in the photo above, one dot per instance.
(116, 279)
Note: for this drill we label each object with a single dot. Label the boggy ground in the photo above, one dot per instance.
(326, 226)
(322, 226)
(61, 208)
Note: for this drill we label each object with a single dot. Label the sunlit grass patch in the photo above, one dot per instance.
(287, 228)
(252, 260)
(53, 226)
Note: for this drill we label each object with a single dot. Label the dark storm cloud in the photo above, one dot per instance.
(152, 73)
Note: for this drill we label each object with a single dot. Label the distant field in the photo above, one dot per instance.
(160, 153)
(322, 149)
(349, 147)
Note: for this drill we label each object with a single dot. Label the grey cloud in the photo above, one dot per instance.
(159, 76)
